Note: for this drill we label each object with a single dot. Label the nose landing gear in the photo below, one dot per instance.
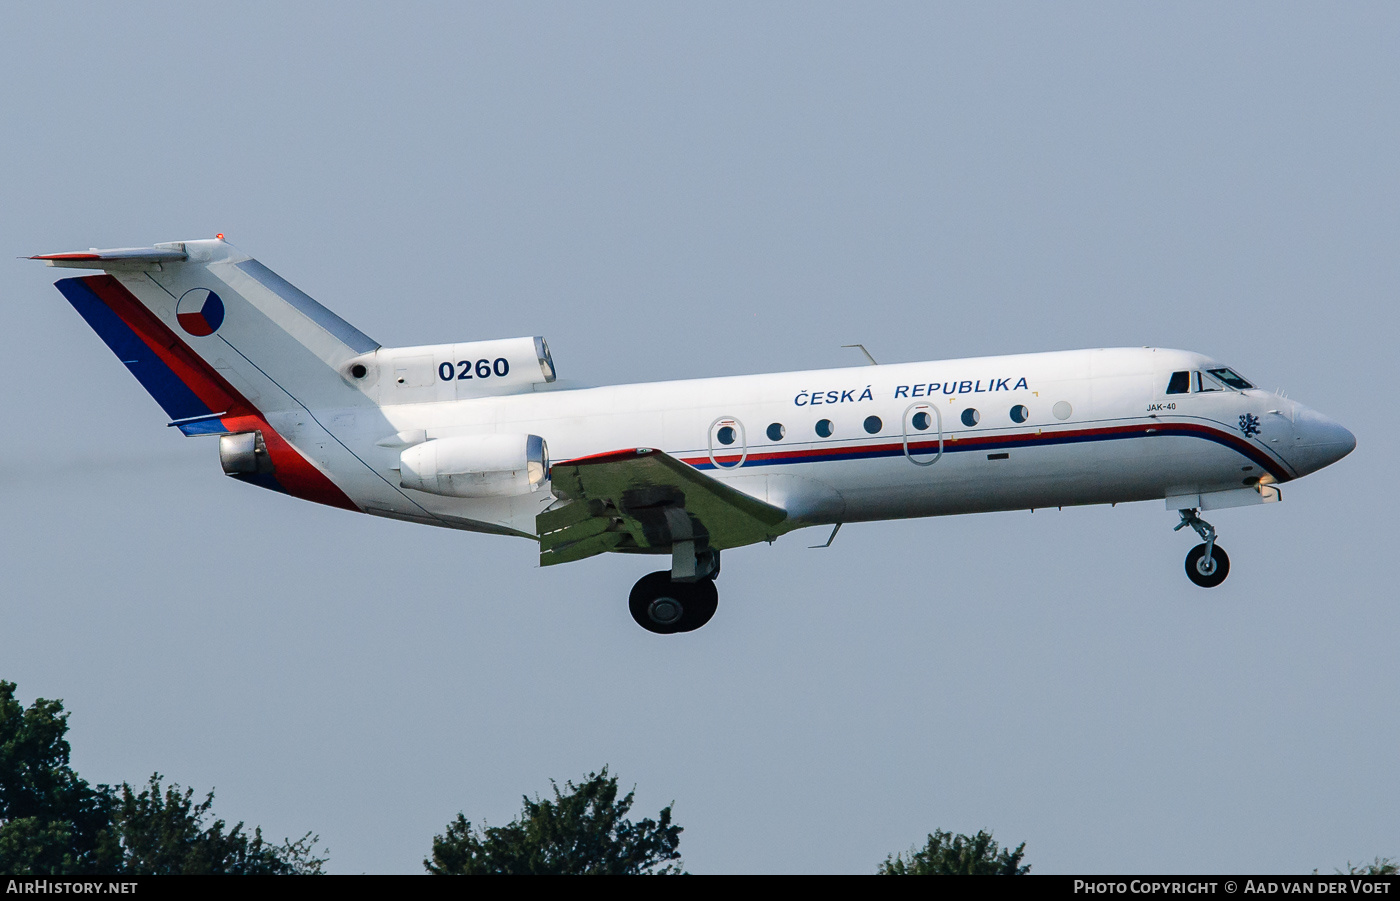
(1206, 564)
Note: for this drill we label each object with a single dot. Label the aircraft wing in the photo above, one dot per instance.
(642, 498)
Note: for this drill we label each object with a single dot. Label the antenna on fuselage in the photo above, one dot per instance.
(833, 531)
(864, 351)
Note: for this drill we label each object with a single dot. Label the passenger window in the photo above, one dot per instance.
(970, 417)
(1180, 383)
(824, 428)
(1020, 413)
(873, 424)
(776, 432)
(921, 420)
(726, 435)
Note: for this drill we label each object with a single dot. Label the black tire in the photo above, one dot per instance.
(665, 607)
(650, 615)
(1204, 575)
(700, 605)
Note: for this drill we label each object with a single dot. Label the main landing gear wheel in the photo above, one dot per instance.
(665, 607)
(1207, 572)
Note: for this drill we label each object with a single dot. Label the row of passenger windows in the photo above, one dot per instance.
(1019, 414)
(1184, 382)
(921, 420)
(1194, 381)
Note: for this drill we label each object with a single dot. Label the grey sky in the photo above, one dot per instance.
(670, 191)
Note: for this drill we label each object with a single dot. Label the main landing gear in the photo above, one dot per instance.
(1207, 565)
(664, 606)
(681, 600)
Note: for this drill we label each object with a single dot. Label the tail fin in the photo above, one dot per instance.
(208, 331)
(222, 343)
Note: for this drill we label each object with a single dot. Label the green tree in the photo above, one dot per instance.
(583, 830)
(51, 820)
(53, 823)
(947, 854)
(165, 831)
(1381, 866)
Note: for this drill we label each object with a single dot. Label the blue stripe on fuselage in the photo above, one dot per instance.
(996, 443)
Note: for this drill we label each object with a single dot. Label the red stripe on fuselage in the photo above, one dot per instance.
(1021, 439)
(292, 471)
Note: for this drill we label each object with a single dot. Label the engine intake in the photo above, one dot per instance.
(476, 466)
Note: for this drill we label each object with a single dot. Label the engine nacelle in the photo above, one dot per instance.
(476, 465)
(446, 372)
(244, 453)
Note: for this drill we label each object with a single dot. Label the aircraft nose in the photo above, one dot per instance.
(1321, 441)
(1340, 440)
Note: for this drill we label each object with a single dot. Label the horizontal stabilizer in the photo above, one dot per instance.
(228, 314)
(117, 258)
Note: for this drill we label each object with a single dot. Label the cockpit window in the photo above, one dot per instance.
(1230, 378)
(1196, 381)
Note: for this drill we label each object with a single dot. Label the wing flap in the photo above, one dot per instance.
(619, 500)
(588, 547)
(574, 532)
(567, 515)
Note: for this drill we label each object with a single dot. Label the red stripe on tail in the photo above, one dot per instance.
(292, 471)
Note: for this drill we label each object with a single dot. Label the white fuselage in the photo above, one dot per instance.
(480, 436)
(1097, 426)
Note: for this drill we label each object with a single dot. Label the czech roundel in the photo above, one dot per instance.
(200, 312)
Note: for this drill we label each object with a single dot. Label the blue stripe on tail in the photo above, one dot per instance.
(159, 379)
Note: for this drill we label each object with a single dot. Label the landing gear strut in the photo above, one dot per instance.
(683, 599)
(1207, 565)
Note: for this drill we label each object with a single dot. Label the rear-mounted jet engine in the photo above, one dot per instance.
(244, 453)
(476, 466)
(445, 372)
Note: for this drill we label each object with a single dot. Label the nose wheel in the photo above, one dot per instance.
(1207, 571)
(665, 607)
(1206, 565)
